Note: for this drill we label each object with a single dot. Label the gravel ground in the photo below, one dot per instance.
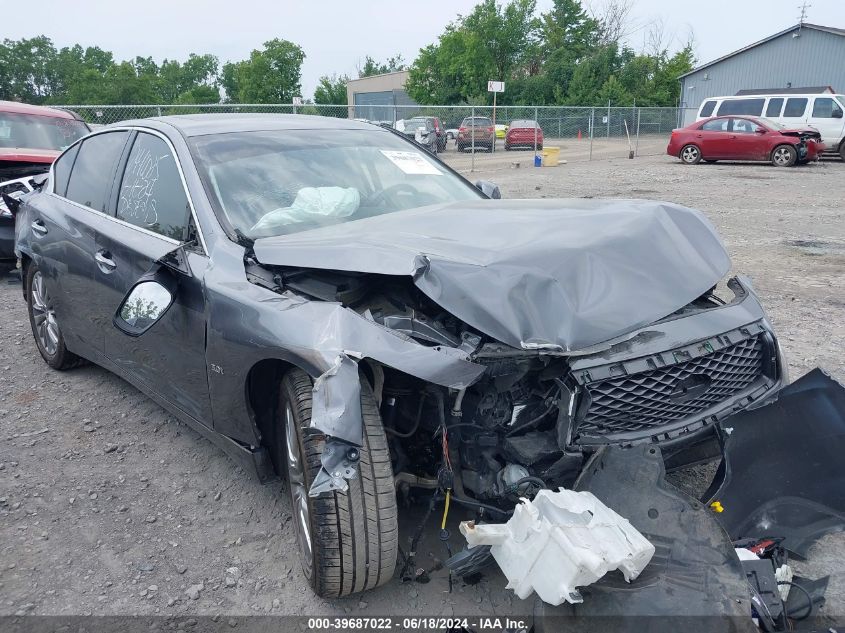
(108, 505)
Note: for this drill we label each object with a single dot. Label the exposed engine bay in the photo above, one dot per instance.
(534, 416)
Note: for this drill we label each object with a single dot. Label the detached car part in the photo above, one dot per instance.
(783, 472)
(560, 541)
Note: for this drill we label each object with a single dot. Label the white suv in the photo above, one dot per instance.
(822, 111)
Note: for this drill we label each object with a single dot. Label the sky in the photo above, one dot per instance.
(336, 35)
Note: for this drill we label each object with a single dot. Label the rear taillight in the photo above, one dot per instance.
(491, 129)
(462, 130)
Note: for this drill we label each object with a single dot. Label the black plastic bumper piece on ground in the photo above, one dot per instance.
(694, 579)
(783, 472)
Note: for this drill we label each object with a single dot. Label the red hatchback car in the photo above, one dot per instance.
(524, 133)
(745, 138)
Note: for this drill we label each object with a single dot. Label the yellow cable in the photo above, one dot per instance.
(445, 511)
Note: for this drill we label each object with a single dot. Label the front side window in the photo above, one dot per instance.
(716, 125)
(276, 183)
(750, 107)
(93, 170)
(795, 108)
(35, 131)
(826, 108)
(707, 108)
(744, 126)
(774, 107)
(151, 192)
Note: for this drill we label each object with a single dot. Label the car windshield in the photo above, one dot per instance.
(277, 183)
(477, 121)
(35, 131)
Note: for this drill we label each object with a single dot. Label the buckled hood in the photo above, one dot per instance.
(535, 274)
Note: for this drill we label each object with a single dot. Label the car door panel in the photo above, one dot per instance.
(170, 356)
(151, 213)
(64, 234)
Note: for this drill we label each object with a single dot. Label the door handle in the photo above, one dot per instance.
(104, 261)
(38, 227)
(699, 135)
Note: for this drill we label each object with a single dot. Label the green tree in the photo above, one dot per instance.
(270, 75)
(331, 90)
(372, 67)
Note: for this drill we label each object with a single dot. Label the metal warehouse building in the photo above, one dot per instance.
(376, 97)
(802, 55)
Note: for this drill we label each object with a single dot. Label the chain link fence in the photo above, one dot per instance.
(580, 133)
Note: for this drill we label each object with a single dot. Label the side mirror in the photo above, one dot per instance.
(762, 130)
(836, 114)
(489, 189)
(145, 303)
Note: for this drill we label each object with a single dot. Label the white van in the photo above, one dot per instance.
(821, 111)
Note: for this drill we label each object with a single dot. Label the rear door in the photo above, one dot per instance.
(153, 217)
(826, 116)
(712, 138)
(64, 230)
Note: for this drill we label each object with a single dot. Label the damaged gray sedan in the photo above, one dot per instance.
(332, 305)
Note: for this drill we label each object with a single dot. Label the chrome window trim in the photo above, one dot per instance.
(144, 130)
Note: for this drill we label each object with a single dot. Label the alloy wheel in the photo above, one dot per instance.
(298, 490)
(43, 315)
(782, 156)
(690, 154)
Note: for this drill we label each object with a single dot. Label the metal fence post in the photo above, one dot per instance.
(472, 127)
(637, 146)
(592, 126)
(608, 118)
(536, 125)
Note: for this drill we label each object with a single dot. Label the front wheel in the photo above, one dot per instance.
(842, 150)
(691, 155)
(347, 540)
(45, 325)
(784, 156)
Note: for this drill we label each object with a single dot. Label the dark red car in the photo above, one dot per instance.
(745, 138)
(524, 133)
(31, 137)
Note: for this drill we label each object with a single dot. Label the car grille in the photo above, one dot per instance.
(655, 398)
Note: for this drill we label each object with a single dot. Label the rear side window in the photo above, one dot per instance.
(61, 170)
(716, 125)
(774, 107)
(795, 108)
(750, 107)
(93, 171)
(707, 108)
(826, 108)
(151, 192)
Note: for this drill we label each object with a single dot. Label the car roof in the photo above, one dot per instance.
(25, 108)
(222, 123)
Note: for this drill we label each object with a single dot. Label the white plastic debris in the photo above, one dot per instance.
(560, 541)
(783, 574)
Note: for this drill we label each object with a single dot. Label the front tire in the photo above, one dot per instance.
(347, 540)
(690, 155)
(784, 156)
(842, 150)
(45, 326)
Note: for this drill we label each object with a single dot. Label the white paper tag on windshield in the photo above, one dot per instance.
(411, 162)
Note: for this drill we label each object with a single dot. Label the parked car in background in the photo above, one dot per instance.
(745, 138)
(30, 139)
(524, 133)
(476, 132)
(501, 130)
(824, 112)
(421, 130)
(451, 134)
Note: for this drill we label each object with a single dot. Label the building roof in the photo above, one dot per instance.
(395, 72)
(813, 90)
(25, 108)
(805, 25)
